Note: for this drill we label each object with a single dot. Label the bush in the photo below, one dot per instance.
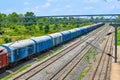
(7, 40)
(46, 29)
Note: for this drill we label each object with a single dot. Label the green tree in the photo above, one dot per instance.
(29, 18)
(7, 40)
(55, 27)
(46, 29)
(117, 19)
(13, 18)
(2, 20)
(2, 17)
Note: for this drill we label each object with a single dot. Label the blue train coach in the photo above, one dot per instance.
(56, 38)
(78, 30)
(66, 36)
(19, 49)
(83, 30)
(73, 33)
(42, 43)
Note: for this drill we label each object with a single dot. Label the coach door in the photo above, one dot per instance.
(60, 39)
(1, 62)
(55, 41)
(5, 59)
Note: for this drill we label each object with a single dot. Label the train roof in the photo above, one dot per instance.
(3, 50)
(65, 32)
(72, 30)
(41, 38)
(55, 35)
(18, 44)
(77, 29)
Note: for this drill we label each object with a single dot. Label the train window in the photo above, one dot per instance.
(1, 50)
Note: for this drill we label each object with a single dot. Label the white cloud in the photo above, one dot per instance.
(9, 10)
(91, 1)
(56, 10)
(117, 6)
(47, 4)
(88, 8)
(50, 0)
(37, 7)
(26, 3)
(53, 0)
(68, 6)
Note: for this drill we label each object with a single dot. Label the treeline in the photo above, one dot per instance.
(15, 26)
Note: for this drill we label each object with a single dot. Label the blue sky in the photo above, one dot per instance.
(60, 7)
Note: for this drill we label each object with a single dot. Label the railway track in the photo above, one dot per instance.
(108, 68)
(102, 67)
(79, 59)
(83, 37)
(41, 66)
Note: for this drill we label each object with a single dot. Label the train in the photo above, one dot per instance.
(13, 52)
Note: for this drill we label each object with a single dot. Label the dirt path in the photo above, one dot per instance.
(115, 71)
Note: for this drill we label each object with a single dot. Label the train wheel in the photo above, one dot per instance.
(12, 65)
(2, 70)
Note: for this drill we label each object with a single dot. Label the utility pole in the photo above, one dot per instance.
(115, 26)
(115, 43)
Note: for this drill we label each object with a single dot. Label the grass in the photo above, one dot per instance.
(47, 72)
(27, 66)
(86, 57)
(118, 36)
(18, 71)
(88, 52)
(84, 72)
(119, 42)
(103, 39)
(94, 56)
(47, 55)
(90, 63)
(71, 74)
(42, 58)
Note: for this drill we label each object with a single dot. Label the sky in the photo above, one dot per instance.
(60, 7)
